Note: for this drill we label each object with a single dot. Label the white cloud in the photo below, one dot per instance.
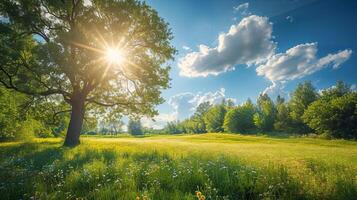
(335, 59)
(242, 8)
(159, 121)
(184, 104)
(248, 42)
(277, 88)
(212, 97)
(298, 62)
(186, 48)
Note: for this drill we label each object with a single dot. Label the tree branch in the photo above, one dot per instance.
(106, 104)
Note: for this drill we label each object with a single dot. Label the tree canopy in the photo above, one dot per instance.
(301, 98)
(214, 118)
(240, 118)
(72, 49)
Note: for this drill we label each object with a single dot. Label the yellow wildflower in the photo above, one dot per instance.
(198, 194)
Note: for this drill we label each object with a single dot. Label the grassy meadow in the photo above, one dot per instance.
(207, 166)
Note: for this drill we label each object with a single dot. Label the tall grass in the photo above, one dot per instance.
(179, 167)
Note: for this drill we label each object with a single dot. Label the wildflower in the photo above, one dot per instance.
(200, 196)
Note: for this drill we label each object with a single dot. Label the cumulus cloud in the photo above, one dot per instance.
(275, 89)
(248, 42)
(298, 62)
(213, 97)
(242, 8)
(181, 104)
(184, 104)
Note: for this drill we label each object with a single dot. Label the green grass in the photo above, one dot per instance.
(221, 166)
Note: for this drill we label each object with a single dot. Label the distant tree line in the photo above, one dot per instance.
(331, 113)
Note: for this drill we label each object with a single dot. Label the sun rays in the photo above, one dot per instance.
(115, 56)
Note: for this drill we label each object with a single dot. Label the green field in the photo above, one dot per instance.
(220, 166)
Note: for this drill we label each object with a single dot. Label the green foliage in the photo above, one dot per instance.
(17, 119)
(282, 120)
(56, 48)
(9, 115)
(240, 118)
(266, 113)
(173, 127)
(89, 125)
(335, 116)
(111, 124)
(196, 123)
(193, 125)
(214, 118)
(335, 91)
(202, 109)
(134, 127)
(301, 98)
(51, 113)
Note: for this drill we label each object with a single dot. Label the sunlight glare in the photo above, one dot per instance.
(115, 56)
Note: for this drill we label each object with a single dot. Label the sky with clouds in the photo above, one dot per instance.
(238, 49)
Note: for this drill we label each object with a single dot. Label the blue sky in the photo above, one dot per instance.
(250, 46)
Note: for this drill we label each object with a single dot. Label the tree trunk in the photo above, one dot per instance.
(76, 122)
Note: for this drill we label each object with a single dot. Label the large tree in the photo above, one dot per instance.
(335, 113)
(265, 117)
(240, 118)
(336, 117)
(214, 118)
(301, 98)
(102, 52)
